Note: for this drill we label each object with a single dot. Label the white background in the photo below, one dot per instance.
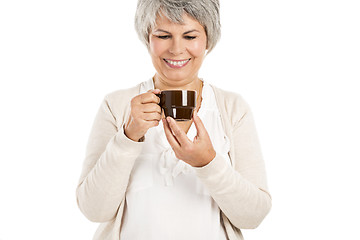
(295, 62)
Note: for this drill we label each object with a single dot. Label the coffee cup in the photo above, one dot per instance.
(178, 104)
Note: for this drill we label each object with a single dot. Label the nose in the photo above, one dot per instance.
(177, 47)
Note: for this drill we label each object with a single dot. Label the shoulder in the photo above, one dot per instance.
(230, 103)
(122, 95)
(118, 102)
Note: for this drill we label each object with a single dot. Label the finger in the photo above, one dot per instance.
(151, 107)
(201, 130)
(179, 134)
(149, 123)
(169, 136)
(155, 91)
(151, 116)
(153, 123)
(149, 97)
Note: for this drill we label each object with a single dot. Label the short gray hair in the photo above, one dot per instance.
(206, 12)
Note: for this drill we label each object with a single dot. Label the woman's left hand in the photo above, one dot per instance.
(198, 152)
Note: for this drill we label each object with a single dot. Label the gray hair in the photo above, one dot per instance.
(206, 12)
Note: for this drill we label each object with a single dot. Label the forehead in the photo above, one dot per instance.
(164, 23)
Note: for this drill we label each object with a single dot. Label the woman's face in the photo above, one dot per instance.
(177, 50)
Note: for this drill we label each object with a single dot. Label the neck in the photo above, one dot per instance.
(186, 84)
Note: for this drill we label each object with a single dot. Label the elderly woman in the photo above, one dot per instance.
(150, 177)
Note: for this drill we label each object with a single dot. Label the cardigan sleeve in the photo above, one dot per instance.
(240, 190)
(109, 159)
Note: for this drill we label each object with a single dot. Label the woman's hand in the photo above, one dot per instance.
(145, 114)
(197, 153)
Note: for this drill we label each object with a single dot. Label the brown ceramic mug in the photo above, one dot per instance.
(178, 104)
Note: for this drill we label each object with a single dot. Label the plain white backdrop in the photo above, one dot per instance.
(297, 63)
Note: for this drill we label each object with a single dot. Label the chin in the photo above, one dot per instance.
(177, 77)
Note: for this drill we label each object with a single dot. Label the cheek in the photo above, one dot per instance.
(156, 48)
(197, 48)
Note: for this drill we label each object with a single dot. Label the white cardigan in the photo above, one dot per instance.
(165, 198)
(240, 190)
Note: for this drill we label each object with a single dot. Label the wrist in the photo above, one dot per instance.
(128, 134)
(211, 156)
(207, 159)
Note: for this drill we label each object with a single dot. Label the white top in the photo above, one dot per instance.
(165, 199)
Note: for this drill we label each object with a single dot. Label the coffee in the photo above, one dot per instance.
(178, 104)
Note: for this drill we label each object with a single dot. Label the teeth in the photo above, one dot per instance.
(177, 63)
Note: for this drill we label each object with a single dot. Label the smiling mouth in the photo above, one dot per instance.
(176, 63)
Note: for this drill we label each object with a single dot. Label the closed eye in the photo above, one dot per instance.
(189, 37)
(163, 37)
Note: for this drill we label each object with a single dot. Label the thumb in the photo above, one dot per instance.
(201, 130)
(155, 91)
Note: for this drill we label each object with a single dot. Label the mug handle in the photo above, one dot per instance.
(159, 95)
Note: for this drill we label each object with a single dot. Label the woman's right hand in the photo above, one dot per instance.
(145, 113)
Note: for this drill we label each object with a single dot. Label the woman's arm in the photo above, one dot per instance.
(240, 190)
(110, 157)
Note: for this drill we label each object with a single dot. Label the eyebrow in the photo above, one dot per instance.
(187, 32)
